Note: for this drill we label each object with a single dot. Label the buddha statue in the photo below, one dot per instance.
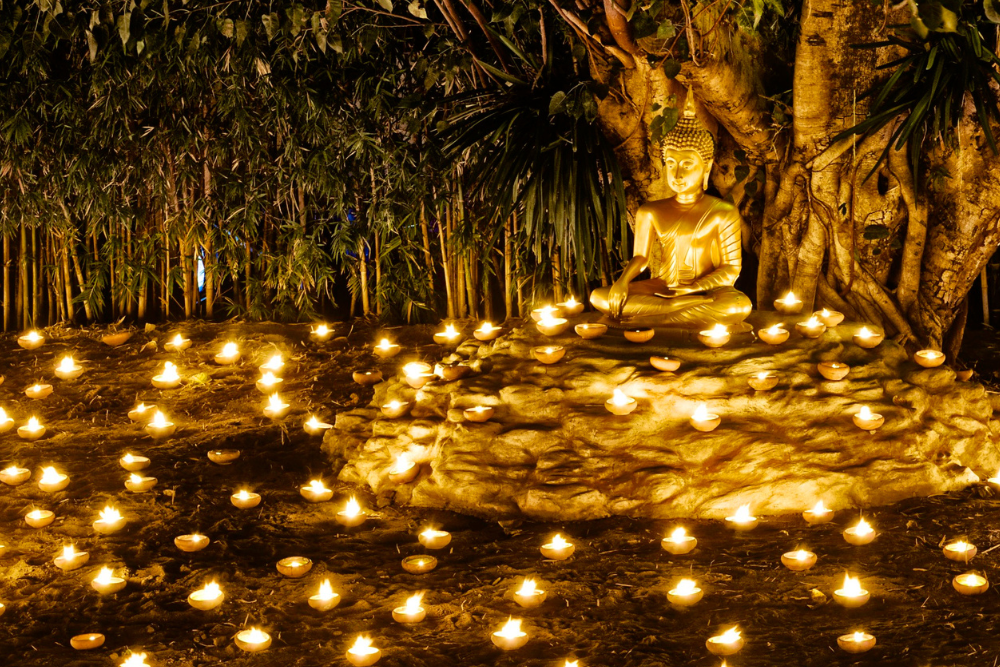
(700, 236)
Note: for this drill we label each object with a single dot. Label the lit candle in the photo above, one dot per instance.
(68, 369)
(273, 365)
(38, 391)
(558, 548)
(133, 463)
(13, 476)
(851, 595)
(417, 374)
(717, 336)
(859, 534)
(294, 567)
(620, 404)
(253, 640)
(362, 653)
(867, 420)
(159, 428)
(223, 457)
(177, 344)
(169, 378)
(590, 330)
(316, 492)
(510, 637)
(486, 332)
(52, 480)
(403, 470)
(110, 521)
(450, 335)
(135, 660)
(811, 328)
(528, 595)
(39, 518)
(139, 484)
(929, 358)
(352, 515)
(830, 318)
(773, 335)
(788, 304)
(480, 413)
(141, 412)
(639, 335)
(970, 583)
(244, 499)
(275, 408)
(679, 542)
(551, 326)
(685, 594)
(994, 482)
(867, 339)
(743, 520)
(87, 642)
(6, 423)
(728, 643)
(799, 560)
(961, 551)
(665, 364)
(833, 370)
(411, 612)
(545, 312)
(71, 559)
(549, 354)
(703, 420)
(106, 582)
(367, 377)
(31, 340)
(434, 539)
(818, 514)
(571, 307)
(207, 598)
(386, 349)
(321, 333)
(267, 382)
(395, 409)
(763, 381)
(191, 543)
(230, 354)
(31, 431)
(856, 642)
(419, 564)
(315, 426)
(325, 599)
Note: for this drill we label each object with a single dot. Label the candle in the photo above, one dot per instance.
(38, 391)
(970, 583)
(352, 515)
(106, 583)
(728, 643)
(191, 543)
(830, 318)
(325, 599)
(510, 637)
(267, 382)
(141, 412)
(31, 340)
(52, 480)
(316, 492)
(12, 475)
(321, 333)
(253, 640)
(929, 358)
(68, 369)
(168, 379)
(417, 374)
(685, 594)
(717, 336)
(411, 612)
(859, 534)
(294, 567)
(315, 426)
(31, 431)
(619, 403)
(367, 377)
(590, 330)
(799, 560)
(487, 332)
(39, 518)
(386, 349)
(230, 354)
(207, 598)
(961, 551)
(763, 381)
(420, 564)
(109, 521)
(856, 642)
(133, 463)
(788, 305)
(867, 339)
(135, 660)
(528, 595)
(6, 423)
(664, 364)
(275, 408)
(551, 326)
(450, 335)
(558, 548)
(434, 539)
(273, 365)
(679, 542)
(177, 344)
(703, 420)
(87, 642)
(773, 335)
(139, 484)
(451, 371)
(480, 413)
(571, 307)
(223, 457)
(159, 428)
(867, 420)
(403, 471)
(545, 312)
(851, 595)
(811, 328)
(395, 409)
(245, 500)
(833, 370)
(549, 354)
(743, 520)
(639, 335)
(362, 653)
(71, 559)
(818, 514)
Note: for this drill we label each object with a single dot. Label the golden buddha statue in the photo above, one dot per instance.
(700, 237)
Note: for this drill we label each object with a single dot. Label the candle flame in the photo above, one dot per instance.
(718, 331)
(268, 379)
(685, 587)
(159, 421)
(678, 535)
(141, 408)
(763, 375)
(961, 545)
(135, 660)
(274, 402)
(325, 591)
(573, 663)
(32, 336)
(105, 576)
(862, 528)
(313, 422)
(110, 515)
(412, 605)
(67, 365)
(620, 399)
(352, 508)
(69, 552)
(511, 629)
(402, 464)
(128, 458)
(275, 363)
(864, 333)
(177, 340)
(394, 405)
(414, 369)
(51, 476)
(801, 555)
(864, 412)
(851, 587)
(450, 332)
(317, 486)
(558, 543)
(134, 479)
(210, 591)
(11, 470)
(812, 323)
(701, 413)
(970, 579)
(36, 514)
(729, 636)
(35, 388)
(819, 508)
(742, 514)
(486, 327)
(362, 646)
(789, 298)
(33, 424)
(858, 637)
(431, 533)
(230, 350)
(775, 329)
(243, 494)
(254, 636)
(528, 587)
(3, 416)
(825, 313)
(321, 330)
(571, 302)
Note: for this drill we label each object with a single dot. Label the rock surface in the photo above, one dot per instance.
(552, 450)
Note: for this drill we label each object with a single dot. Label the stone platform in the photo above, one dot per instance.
(552, 451)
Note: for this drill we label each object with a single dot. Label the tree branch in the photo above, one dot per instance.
(620, 28)
(580, 27)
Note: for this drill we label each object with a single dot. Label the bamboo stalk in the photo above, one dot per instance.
(508, 294)
(24, 316)
(444, 260)
(427, 245)
(36, 279)
(6, 282)
(363, 267)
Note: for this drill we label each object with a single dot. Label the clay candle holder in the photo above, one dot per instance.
(703, 420)
(478, 414)
(833, 370)
(362, 653)
(867, 339)
(13, 476)
(106, 583)
(386, 349)
(395, 409)
(487, 332)
(717, 336)
(763, 381)
(403, 471)
(590, 330)
(87, 642)
(788, 304)
(743, 520)
(639, 335)
(859, 534)
(411, 612)
(6, 423)
(960, 551)
(116, 339)
(52, 480)
(71, 559)
(773, 335)
(177, 344)
(665, 364)
(253, 640)
(365, 378)
(549, 354)
(223, 457)
(679, 542)
(857, 642)
(528, 595)
(552, 326)
(315, 427)
(31, 431)
(685, 594)
(571, 307)
(294, 567)
(510, 637)
(133, 463)
(558, 548)
(229, 355)
(970, 583)
(38, 391)
(620, 404)
(452, 372)
(420, 564)
(31, 340)
(268, 383)
(450, 336)
(728, 643)
(275, 365)
(109, 521)
(275, 408)
(316, 492)
(811, 328)
(417, 374)
(434, 539)
(139, 484)
(851, 595)
(867, 420)
(159, 428)
(545, 312)
(191, 543)
(352, 515)
(830, 318)
(244, 499)
(39, 518)
(929, 358)
(207, 598)
(141, 412)
(799, 560)
(325, 599)
(68, 369)
(818, 514)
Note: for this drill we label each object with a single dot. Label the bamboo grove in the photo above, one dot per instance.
(193, 159)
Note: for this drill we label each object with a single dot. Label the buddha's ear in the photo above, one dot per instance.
(708, 173)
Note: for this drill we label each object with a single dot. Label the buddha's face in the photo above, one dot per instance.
(686, 171)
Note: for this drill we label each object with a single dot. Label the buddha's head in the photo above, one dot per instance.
(688, 150)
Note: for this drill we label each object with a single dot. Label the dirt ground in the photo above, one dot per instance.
(607, 604)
